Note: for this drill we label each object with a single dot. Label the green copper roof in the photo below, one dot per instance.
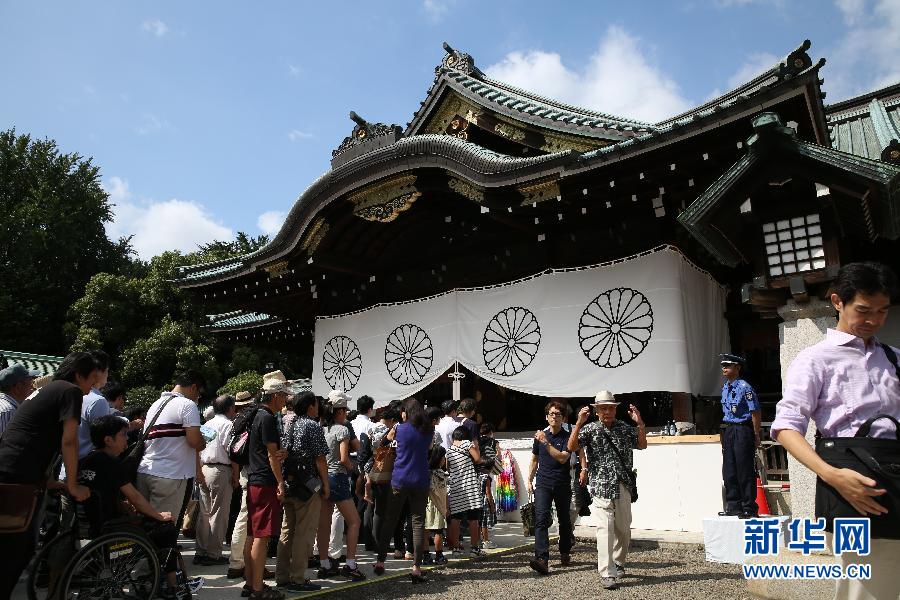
(47, 365)
(869, 125)
(239, 320)
(772, 142)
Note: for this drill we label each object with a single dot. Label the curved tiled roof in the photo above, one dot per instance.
(492, 169)
(866, 125)
(541, 111)
(239, 319)
(431, 150)
(770, 78)
(47, 365)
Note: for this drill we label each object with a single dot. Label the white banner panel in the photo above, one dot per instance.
(649, 323)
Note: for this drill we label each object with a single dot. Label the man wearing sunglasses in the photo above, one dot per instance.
(550, 462)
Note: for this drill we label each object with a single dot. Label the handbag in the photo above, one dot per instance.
(191, 515)
(529, 517)
(632, 474)
(383, 466)
(877, 458)
(18, 503)
(135, 452)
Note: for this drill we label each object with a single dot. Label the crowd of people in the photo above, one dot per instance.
(304, 470)
(320, 479)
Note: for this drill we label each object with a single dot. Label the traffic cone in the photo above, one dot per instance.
(761, 502)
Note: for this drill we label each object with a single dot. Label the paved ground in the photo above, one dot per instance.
(671, 572)
(665, 573)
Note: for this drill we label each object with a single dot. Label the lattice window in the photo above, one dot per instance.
(794, 245)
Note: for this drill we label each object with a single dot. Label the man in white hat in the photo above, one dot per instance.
(243, 400)
(608, 444)
(265, 483)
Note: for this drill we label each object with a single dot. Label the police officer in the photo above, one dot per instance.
(740, 438)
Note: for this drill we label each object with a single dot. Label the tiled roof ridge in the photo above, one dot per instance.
(552, 103)
(783, 69)
(240, 318)
(29, 355)
(836, 110)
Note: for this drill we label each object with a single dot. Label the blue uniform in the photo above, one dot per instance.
(738, 401)
(739, 447)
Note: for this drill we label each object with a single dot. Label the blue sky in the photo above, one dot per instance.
(207, 118)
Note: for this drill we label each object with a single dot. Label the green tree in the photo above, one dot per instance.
(245, 381)
(171, 347)
(52, 239)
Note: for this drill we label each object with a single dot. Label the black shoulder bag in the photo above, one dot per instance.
(877, 458)
(632, 473)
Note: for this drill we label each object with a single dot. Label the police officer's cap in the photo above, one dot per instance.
(732, 359)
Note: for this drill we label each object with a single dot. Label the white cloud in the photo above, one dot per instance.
(296, 135)
(618, 79)
(270, 222)
(865, 58)
(755, 64)
(851, 9)
(150, 123)
(159, 226)
(155, 26)
(435, 9)
(294, 70)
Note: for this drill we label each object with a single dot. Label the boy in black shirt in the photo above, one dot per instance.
(102, 471)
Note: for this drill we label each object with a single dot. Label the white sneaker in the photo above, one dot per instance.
(477, 552)
(489, 545)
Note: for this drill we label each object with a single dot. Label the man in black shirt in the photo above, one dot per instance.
(550, 458)
(40, 429)
(265, 489)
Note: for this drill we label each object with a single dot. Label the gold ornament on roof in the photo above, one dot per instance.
(384, 201)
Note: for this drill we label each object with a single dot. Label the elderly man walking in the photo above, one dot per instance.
(220, 478)
(608, 444)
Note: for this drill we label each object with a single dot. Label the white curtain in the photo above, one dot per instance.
(654, 322)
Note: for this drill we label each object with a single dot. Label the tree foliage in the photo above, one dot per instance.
(52, 239)
(152, 328)
(245, 381)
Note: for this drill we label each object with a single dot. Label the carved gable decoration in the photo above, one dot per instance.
(541, 191)
(466, 189)
(456, 60)
(384, 201)
(314, 235)
(365, 138)
(277, 269)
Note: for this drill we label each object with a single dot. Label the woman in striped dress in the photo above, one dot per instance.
(465, 484)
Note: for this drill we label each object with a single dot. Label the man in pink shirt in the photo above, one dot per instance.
(839, 383)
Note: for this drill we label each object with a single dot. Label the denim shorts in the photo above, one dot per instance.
(340, 487)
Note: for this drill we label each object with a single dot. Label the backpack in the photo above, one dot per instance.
(365, 452)
(239, 444)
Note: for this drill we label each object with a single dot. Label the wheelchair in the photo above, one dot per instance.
(87, 558)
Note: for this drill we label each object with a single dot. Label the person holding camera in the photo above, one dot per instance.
(305, 468)
(608, 446)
